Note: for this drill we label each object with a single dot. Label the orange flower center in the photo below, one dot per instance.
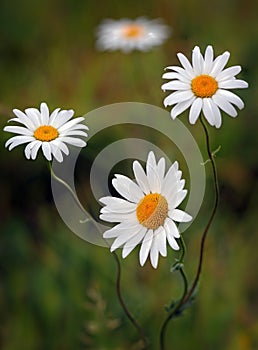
(133, 31)
(204, 86)
(152, 210)
(46, 133)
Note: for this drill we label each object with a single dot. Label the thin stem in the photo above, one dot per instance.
(118, 280)
(185, 288)
(128, 314)
(215, 207)
(187, 295)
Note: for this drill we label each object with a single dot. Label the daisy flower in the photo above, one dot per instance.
(51, 132)
(128, 35)
(148, 212)
(203, 86)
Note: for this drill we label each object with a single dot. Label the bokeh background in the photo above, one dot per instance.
(57, 291)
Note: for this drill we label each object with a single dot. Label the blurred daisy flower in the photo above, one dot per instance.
(203, 86)
(127, 35)
(51, 132)
(148, 212)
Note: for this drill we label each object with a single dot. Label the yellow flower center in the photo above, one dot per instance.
(204, 86)
(132, 31)
(46, 133)
(152, 210)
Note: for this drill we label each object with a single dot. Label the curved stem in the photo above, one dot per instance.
(118, 280)
(185, 282)
(215, 207)
(188, 294)
(126, 311)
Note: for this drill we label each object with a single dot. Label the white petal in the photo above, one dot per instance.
(126, 237)
(127, 188)
(119, 217)
(141, 177)
(171, 241)
(175, 85)
(208, 60)
(70, 124)
(34, 150)
(195, 110)
(177, 97)
(62, 117)
(145, 247)
(73, 141)
(46, 150)
(172, 232)
(207, 111)
(61, 145)
(74, 133)
(133, 242)
(53, 116)
(23, 118)
(223, 104)
(34, 116)
(231, 97)
(152, 174)
(161, 169)
(160, 240)
(179, 216)
(18, 140)
(185, 63)
(219, 64)
(44, 113)
(197, 61)
(185, 75)
(216, 113)
(119, 229)
(177, 198)
(170, 174)
(154, 254)
(118, 205)
(233, 84)
(228, 73)
(56, 152)
(181, 107)
(178, 76)
(18, 130)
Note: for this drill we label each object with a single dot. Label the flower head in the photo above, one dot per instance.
(203, 86)
(50, 132)
(147, 213)
(127, 35)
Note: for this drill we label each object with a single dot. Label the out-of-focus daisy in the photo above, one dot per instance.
(51, 132)
(148, 212)
(203, 86)
(126, 35)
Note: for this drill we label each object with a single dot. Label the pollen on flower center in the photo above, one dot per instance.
(204, 86)
(152, 211)
(133, 31)
(46, 133)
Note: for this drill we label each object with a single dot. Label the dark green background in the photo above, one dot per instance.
(57, 291)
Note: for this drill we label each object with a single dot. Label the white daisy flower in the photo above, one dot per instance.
(50, 132)
(148, 212)
(128, 35)
(203, 86)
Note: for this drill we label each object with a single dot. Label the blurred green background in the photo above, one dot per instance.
(57, 291)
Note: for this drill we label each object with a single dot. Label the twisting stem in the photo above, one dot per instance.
(180, 265)
(216, 202)
(118, 280)
(189, 294)
(128, 314)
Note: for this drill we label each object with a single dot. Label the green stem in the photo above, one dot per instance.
(188, 294)
(118, 280)
(215, 207)
(185, 288)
